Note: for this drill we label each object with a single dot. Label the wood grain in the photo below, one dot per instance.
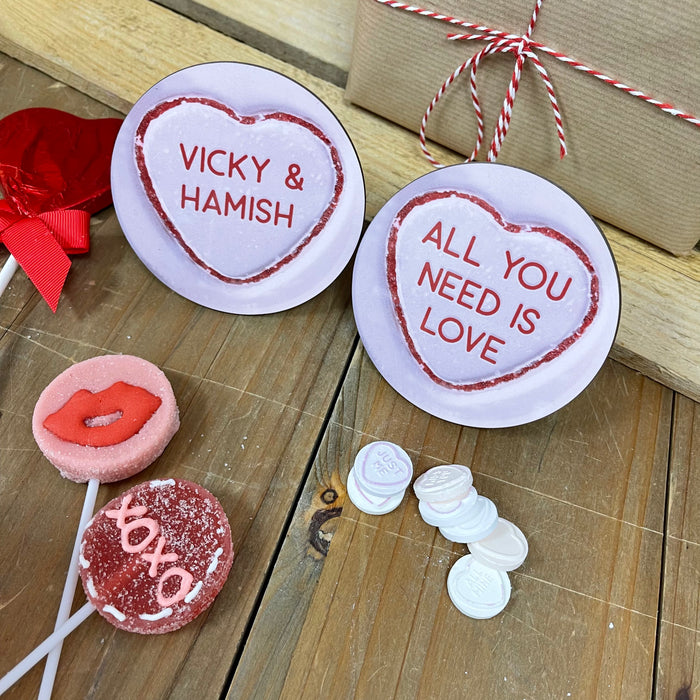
(374, 620)
(324, 600)
(251, 408)
(96, 46)
(678, 669)
(313, 34)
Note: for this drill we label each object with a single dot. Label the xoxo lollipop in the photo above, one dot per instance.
(151, 561)
(101, 420)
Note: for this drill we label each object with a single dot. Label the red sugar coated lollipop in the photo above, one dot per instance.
(156, 557)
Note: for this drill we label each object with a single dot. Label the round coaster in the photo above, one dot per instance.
(476, 590)
(479, 523)
(505, 548)
(383, 468)
(238, 188)
(368, 502)
(448, 514)
(485, 295)
(445, 483)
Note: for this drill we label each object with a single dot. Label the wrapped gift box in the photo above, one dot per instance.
(629, 163)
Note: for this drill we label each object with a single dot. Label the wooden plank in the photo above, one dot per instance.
(311, 34)
(678, 670)
(373, 618)
(661, 299)
(251, 409)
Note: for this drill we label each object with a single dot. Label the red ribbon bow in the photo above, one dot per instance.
(40, 244)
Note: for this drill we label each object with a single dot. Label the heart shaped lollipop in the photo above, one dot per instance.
(54, 173)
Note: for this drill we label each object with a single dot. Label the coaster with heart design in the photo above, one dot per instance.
(486, 295)
(238, 188)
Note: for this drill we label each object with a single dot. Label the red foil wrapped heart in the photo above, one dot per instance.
(54, 173)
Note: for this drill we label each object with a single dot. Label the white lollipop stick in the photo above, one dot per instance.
(32, 659)
(8, 269)
(68, 591)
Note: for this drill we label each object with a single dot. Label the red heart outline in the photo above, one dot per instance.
(508, 228)
(147, 182)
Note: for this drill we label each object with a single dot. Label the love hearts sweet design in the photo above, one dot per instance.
(238, 188)
(253, 191)
(498, 296)
(495, 299)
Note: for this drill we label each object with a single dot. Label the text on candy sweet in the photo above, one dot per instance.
(245, 168)
(155, 558)
(384, 463)
(524, 287)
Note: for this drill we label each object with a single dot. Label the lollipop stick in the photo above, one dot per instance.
(68, 590)
(8, 269)
(29, 661)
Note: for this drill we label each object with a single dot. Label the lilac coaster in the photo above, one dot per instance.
(238, 188)
(486, 295)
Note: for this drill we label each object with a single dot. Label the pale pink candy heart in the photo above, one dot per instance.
(479, 300)
(383, 468)
(242, 194)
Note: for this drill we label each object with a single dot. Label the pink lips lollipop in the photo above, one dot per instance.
(151, 560)
(101, 420)
(106, 418)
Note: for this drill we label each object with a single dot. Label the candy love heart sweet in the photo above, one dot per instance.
(223, 231)
(453, 322)
(383, 468)
(50, 159)
(485, 295)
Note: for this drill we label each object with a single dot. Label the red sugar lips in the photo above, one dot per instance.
(106, 418)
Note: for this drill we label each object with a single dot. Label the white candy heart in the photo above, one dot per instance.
(242, 194)
(383, 468)
(481, 301)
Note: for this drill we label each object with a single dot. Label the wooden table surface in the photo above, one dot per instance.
(322, 600)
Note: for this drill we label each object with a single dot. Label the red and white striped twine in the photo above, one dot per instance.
(523, 47)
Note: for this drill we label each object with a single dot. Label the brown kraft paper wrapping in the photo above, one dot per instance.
(628, 163)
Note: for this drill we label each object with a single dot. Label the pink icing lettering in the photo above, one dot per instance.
(157, 557)
(124, 512)
(186, 579)
(153, 530)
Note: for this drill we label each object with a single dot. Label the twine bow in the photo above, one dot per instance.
(41, 244)
(523, 47)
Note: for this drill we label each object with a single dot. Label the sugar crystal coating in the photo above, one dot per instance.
(156, 557)
(91, 381)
